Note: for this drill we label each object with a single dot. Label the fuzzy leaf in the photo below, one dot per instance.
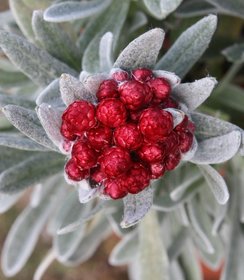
(173, 79)
(235, 8)
(25, 231)
(17, 141)
(69, 211)
(75, 225)
(86, 192)
(177, 115)
(28, 123)
(8, 200)
(216, 183)
(98, 231)
(234, 53)
(136, 207)
(194, 94)
(72, 89)
(189, 47)
(160, 9)
(142, 52)
(22, 15)
(153, 257)
(36, 63)
(71, 10)
(125, 251)
(30, 171)
(217, 149)
(50, 95)
(6, 17)
(105, 52)
(178, 243)
(92, 83)
(51, 120)
(54, 39)
(208, 126)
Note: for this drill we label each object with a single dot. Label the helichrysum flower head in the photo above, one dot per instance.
(123, 129)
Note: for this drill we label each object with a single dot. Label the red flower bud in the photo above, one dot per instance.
(77, 118)
(107, 89)
(160, 88)
(142, 74)
(100, 137)
(115, 188)
(74, 172)
(134, 94)
(85, 156)
(115, 161)
(111, 112)
(155, 124)
(157, 170)
(151, 152)
(128, 136)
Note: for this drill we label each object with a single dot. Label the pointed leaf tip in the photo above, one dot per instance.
(142, 52)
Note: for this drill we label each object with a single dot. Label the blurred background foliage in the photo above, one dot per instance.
(227, 102)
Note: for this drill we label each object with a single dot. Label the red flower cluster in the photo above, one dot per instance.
(128, 138)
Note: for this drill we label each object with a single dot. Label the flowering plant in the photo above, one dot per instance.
(126, 137)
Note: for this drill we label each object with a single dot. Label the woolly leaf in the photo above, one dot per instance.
(8, 200)
(69, 211)
(30, 171)
(71, 10)
(125, 251)
(217, 149)
(105, 52)
(177, 115)
(235, 8)
(51, 120)
(208, 126)
(28, 123)
(22, 15)
(98, 231)
(72, 89)
(54, 39)
(194, 94)
(92, 83)
(25, 231)
(136, 207)
(194, 8)
(160, 9)
(189, 47)
(6, 17)
(178, 243)
(50, 95)
(173, 79)
(36, 63)
(234, 53)
(216, 183)
(153, 257)
(75, 225)
(142, 52)
(17, 141)
(86, 192)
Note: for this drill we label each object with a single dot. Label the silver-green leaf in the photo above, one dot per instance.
(71, 10)
(142, 52)
(36, 63)
(194, 94)
(216, 183)
(136, 207)
(189, 47)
